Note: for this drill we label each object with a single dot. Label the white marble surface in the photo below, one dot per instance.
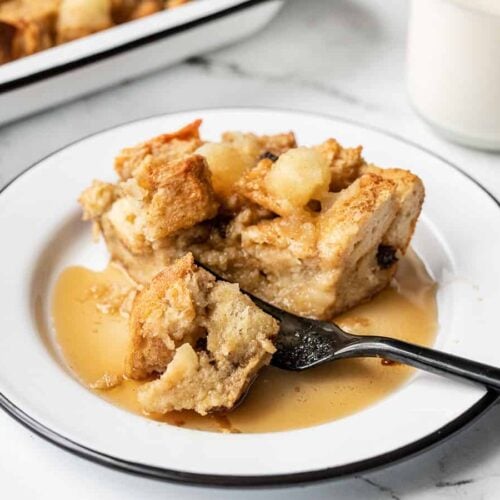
(343, 57)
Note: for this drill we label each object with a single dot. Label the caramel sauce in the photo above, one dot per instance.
(91, 329)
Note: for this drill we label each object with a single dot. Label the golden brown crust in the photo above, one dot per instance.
(7, 33)
(357, 220)
(350, 234)
(410, 194)
(161, 199)
(183, 196)
(175, 3)
(166, 147)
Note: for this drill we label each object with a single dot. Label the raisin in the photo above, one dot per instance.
(314, 205)
(201, 344)
(221, 225)
(386, 256)
(268, 156)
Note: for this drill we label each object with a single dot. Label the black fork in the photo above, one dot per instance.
(303, 343)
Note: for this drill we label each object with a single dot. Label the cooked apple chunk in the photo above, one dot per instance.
(299, 176)
(79, 18)
(226, 165)
(211, 339)
(288, 184)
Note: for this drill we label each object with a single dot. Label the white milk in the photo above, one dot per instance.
(454, 68)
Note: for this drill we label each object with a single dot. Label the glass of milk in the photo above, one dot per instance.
(454, 68)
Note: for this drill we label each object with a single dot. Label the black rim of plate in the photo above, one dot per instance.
(221, 480)
(133, 44)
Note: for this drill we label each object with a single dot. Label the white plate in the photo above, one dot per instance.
(41, 234)
(124, 52)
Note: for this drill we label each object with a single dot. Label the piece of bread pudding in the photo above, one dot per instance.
(205, 339)
(314, 230)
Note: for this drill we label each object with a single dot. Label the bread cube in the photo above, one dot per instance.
(252, 187)
(357, 221)
(345, 163)
(167, 313)
(126, 215)
(410, 195)
(164, 148)
(182, 197)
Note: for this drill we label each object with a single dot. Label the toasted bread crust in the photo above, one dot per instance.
(410, 193)
(357, 220)
(166, 147)
(183, 196)
(158, 201)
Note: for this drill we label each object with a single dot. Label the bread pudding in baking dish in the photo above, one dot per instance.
(29, 26)
(314, 230)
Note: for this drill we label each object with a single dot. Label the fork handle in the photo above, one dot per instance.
(424, 358)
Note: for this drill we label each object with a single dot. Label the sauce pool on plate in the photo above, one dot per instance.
(89, 317)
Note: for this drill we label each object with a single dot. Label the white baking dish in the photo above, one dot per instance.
(126, 51)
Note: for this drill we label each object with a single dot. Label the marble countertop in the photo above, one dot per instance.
(343, 57)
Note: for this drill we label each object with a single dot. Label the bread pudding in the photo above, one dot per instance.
(29, 26)
(205, 338)
(314, 230)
